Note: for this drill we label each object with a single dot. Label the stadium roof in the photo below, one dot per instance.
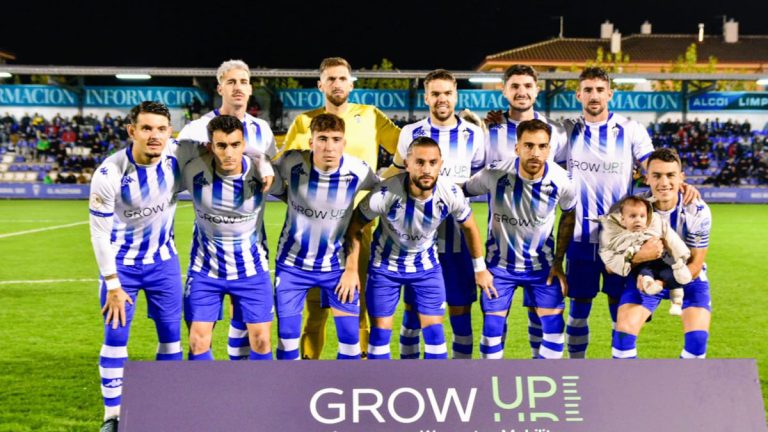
(646, 51)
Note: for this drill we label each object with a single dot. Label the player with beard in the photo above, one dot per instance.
(462, 147)
(367, 129)
(132, 206)
(520, 90)
(524, 193)
(412, 206)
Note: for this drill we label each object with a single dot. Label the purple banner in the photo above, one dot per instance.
(444, 396)
(44, 191)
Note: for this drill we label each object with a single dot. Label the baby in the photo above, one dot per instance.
(625, 231)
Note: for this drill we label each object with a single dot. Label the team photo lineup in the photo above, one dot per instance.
(358, 238)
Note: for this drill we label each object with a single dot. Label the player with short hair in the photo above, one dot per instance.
(366, 130)
(520, 89)
(228, 254)
(524, 193)
(412, 206)
(132, 205)
(462, 147)
(235, 88)
(693, 223)
(320, 187)
(603, 150)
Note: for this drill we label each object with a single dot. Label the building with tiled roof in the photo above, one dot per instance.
(647, 52)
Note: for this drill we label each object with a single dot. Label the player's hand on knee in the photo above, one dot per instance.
(348, 285)
(484, 281)
(114, 307)
(557, 272)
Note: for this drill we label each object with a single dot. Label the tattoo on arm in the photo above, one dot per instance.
(564, 234)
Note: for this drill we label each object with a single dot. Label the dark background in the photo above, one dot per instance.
(289, 34)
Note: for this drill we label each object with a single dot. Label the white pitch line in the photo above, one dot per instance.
(55, 227)
(36, 230)
(45, 281)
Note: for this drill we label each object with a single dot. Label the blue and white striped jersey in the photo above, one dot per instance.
(320, 206)
(601, 158)
(463, 151)
(693, 223)
(501, 140)
(405, 240)
(462, 146)
(522, 213)
(258, 136)
(136, 204)
(228, 240)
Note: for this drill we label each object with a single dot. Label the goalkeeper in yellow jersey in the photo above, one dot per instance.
(367, 129)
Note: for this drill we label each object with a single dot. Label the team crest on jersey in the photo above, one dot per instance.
(615, 131)
(442, 207)
(466, 133)
(125, 181)
(358, 119)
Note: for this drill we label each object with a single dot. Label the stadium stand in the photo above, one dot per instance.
(66, 150)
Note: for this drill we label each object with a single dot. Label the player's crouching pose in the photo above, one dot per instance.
(692, 223)
(524, 193)
(320, 187)
(228, 254)
(412, 205)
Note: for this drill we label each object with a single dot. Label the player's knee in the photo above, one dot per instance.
(199, 342)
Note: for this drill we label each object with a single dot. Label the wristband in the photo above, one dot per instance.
(478, 264)
(113, 283)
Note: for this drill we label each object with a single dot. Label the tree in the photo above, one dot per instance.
(382, 83)
(689, 63)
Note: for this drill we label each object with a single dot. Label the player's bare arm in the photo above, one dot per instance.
(564, 236)
(350, 281)
(483, 277)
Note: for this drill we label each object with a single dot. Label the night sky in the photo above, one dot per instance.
(287, 34)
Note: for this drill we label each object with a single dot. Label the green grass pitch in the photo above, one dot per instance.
(50, 326)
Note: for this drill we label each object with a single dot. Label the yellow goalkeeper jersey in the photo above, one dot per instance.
(366, 128)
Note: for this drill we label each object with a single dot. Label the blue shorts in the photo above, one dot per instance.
(583, 270)
(537, 293)
(427, 291)
(292, 284)
(696, 294)
(251, 298)
(161, 283)
(459, 277)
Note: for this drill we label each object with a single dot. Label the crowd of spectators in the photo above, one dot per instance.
(72, 147)
(714, 152)
(67, 150)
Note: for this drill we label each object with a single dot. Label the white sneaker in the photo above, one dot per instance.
(649, 286)
(675, 309)
(681, 273)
